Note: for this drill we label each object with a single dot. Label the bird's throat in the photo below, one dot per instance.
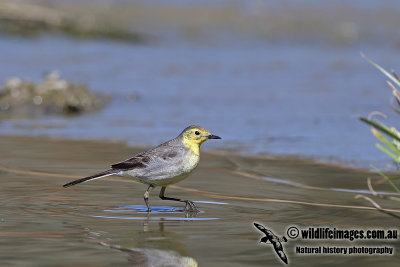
(193, 146)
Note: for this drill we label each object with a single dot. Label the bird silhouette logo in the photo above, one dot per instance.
(273, 239)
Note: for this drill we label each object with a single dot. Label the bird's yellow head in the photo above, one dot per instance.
(194, 136)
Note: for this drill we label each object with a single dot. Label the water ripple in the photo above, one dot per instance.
(357, 191)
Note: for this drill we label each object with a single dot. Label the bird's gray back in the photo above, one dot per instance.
(163, 162)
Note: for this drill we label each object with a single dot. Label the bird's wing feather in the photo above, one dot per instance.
(165, 152)
(138, 161)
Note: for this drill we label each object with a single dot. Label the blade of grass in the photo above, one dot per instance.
(395, 177)
(388, 74)
(395, 75)
(387, 152)
(386, 127)
(380, 127)
(387, 178)
(385, 141)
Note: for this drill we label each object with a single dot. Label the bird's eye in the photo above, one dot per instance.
(196, 132)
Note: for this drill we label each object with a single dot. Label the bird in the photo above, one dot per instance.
(274, 240)
(163, 165)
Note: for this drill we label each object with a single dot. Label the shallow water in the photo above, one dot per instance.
(239, 92)
(104, 222)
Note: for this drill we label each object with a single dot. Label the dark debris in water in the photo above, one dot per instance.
(51, 96)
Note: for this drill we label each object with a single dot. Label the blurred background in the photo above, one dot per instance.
(269, 77)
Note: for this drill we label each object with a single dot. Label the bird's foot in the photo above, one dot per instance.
(190, 207)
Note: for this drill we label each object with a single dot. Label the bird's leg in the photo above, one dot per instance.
(146, 197)
(189, 204)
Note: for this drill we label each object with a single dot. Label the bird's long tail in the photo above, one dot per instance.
(92, 177)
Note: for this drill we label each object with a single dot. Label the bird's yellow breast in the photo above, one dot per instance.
(194, 147)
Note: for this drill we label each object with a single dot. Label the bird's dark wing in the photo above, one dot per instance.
(138, 161)
(279, 250)
(261, 228)
(142, 159)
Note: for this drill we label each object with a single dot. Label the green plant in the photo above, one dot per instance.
(389, 137)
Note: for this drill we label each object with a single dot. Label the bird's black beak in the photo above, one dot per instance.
(211, 136)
